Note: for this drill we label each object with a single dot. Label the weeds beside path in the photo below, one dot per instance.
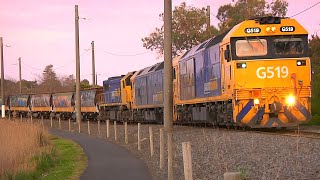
(28, 152)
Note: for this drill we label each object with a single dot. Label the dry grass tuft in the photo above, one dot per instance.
(19, 143)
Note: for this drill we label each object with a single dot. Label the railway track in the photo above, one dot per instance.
(296, 132)
(288, 132)
(312, 134)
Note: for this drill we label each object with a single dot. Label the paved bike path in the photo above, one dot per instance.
(106, 160)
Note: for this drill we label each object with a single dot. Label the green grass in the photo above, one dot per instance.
(65, 161)
(315, 113)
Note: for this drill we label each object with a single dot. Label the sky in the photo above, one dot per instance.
(41, 32)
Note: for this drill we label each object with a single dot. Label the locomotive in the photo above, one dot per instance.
(257, 74)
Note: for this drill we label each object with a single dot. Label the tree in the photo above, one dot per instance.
(84, 84)
(189, 28)
(314, 48)
(50, 81)
(28, 86)
(68, 82)
(231, 14)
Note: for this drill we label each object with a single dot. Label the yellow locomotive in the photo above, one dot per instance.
(257, 74)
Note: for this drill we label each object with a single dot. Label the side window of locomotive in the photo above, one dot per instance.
(106, 87)
(288, 46)
(251, 47)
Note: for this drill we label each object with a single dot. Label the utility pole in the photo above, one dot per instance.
(2, 79)
(78, 100)
(93, 65)
(20, 89)
(208, 14)
(168, 89)
(96, 78)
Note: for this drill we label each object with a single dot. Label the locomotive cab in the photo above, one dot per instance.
(267, 72)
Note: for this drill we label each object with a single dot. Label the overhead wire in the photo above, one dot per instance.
(305, 9)
(73, 61)
(116, 54)
(124, 54)
(31, 67)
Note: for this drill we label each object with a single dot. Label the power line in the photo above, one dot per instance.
(306, 9)
(116, 54)
(86, 50)
(31, 67)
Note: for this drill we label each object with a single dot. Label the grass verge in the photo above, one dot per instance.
(66, 160)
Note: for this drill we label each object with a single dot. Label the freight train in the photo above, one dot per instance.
(56, 105)
(257, 74)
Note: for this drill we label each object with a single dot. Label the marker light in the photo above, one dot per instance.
(268, 29)
(241, 65)
(291, 100)
(256, 101)
(301, 63)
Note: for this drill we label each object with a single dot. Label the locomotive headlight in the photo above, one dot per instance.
(301, 63)
(291, 100)
(273, 29)
(256, 101)
(241, 65)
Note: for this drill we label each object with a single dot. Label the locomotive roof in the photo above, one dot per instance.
(150, 69)
(206, 44)
(113, 78)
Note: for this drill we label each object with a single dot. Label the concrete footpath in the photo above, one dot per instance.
(106, 160)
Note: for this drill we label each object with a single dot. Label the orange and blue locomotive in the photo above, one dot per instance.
(257, 75)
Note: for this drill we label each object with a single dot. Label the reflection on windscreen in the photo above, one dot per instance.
(288, 46)
(251, 47)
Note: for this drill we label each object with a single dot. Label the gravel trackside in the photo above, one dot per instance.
(216, 151)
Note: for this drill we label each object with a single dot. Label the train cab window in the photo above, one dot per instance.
(251, 47)
(128, 82)
(288, 46)
(106, 87)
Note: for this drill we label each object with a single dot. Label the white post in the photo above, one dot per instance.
(79, 127)
(107, 124)
(59, 122)
(232, 176)
(126, 132)
(89, 127)
(187, 161)
(69, 124)
(161, 148)
(21, 117)
(99, 133)
(3, 111)
(151, 141)
(139, 138)
(50, 121)
(115, 130)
